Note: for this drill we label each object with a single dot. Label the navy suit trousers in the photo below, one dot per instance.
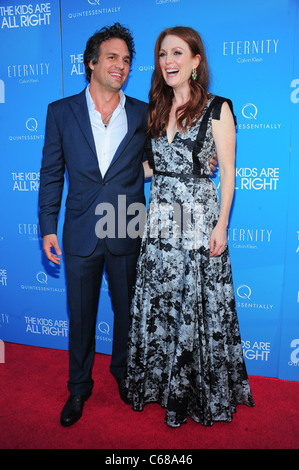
(84, 276)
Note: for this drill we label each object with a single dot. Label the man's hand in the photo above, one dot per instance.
(213, 163)
(50, 241)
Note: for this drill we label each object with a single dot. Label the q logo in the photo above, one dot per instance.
(244, 292)
(42, 277)
(103, 327)
(249, 111)
(31, 125)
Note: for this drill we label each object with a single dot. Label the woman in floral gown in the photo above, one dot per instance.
(184, 347)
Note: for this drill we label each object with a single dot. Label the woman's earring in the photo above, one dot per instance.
(194, 74)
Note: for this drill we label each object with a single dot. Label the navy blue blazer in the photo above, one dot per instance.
(69, 145)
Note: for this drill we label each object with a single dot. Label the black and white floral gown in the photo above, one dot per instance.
(184, 349)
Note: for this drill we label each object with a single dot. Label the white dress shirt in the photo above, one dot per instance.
(107, 138)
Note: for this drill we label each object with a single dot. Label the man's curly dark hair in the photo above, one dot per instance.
(92, 49)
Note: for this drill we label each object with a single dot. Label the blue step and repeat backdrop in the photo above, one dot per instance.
(252, 48)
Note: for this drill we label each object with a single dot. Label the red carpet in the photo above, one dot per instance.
(33, 391)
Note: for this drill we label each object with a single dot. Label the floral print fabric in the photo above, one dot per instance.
(184, 349)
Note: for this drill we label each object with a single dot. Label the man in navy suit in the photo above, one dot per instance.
(97, 137)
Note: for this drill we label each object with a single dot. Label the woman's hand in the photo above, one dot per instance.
(213, 164)
(218, 240)
(148, 172)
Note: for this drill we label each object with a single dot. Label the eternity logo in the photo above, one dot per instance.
(250, 238)
(28, 73)
(31, 231)
(24, 16)
(251, 51)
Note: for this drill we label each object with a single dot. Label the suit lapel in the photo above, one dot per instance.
(79, 107)
(132, 123)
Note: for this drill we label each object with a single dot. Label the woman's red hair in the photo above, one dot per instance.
(161, 95)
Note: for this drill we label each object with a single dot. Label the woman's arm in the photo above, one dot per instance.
(225, 139)
(148, 172)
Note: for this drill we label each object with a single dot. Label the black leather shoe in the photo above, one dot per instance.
(122, 390)
(72, 410)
